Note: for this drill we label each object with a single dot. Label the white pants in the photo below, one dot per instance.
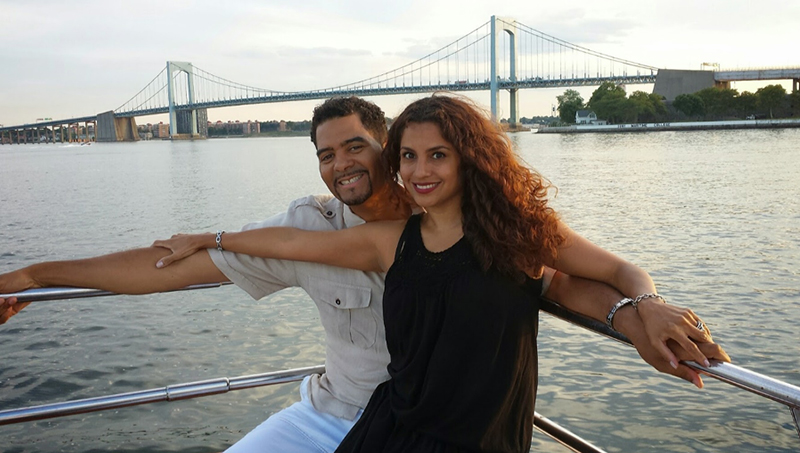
(297, 429)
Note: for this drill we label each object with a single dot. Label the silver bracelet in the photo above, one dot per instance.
(617, 306)
(219, 240)
(642, 297)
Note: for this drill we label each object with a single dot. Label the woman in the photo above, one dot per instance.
(463, 281)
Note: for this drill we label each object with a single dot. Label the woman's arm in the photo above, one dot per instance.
(581, 258)
(663, 322)
(368, 247)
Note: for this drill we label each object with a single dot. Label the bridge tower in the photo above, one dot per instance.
(500, 25)
(176, 66)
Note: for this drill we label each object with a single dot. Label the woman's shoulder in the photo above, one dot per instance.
(379, 229)
(387, 226)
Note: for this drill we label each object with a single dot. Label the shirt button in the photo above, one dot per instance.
(338, 302)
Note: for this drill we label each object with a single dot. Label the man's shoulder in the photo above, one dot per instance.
(316, 212)
(321, 202)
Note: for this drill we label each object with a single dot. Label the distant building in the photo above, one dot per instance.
(585, 117)
(282, 126)
(251, 127)
(161, 130)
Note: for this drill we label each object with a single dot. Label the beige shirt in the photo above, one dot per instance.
(350, 305)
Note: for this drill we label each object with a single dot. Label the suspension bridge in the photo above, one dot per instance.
(501, 55)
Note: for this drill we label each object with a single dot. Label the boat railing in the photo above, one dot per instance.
(756, 383)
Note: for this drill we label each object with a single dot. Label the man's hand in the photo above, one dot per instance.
(13, 282)
(10, 307)
(595, 299)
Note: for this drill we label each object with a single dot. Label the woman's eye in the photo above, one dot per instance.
(407, 155)
(438, 155)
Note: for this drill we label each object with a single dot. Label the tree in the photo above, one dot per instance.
(689, 104)
(270, 126)
(770, 97)
(746, 104)
(606, 89)
(658, 104)
(648, 106)
(568, 104)
(794, 103)
(719, 101)
(609, 103)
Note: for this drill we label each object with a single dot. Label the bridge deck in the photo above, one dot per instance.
(757, 74)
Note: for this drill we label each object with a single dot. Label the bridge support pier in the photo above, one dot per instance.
(673, 82)
(513, 117)
(795, 85)
(509, 26)
(173, 66)
(109, 128)
(191, 124)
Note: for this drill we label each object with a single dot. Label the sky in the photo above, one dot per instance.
(62, 58)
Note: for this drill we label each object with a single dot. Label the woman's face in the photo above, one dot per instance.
(429, 167)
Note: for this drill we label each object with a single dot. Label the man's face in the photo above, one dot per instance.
(349, 159)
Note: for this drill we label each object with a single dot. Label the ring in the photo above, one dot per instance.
(700, 326)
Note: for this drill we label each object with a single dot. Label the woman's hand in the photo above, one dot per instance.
(664, 322)
(183, 245)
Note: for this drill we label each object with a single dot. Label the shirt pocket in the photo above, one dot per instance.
(345, 311)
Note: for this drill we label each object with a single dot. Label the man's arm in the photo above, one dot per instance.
(128, 272)
(595, 300)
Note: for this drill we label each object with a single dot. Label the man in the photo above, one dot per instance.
(348, 134)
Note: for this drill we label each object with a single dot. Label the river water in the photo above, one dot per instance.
(714, 216)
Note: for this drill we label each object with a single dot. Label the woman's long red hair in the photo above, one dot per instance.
(505, 212)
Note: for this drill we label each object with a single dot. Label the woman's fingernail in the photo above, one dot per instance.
(674, 365)
(706, 363)
(160, 264)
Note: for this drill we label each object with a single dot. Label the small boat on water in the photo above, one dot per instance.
(764, 386)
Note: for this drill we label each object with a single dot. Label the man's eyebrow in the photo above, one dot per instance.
(356, 139)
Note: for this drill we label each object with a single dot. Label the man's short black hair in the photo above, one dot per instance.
(371, 115)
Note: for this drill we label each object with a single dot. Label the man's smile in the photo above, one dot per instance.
(350, 179)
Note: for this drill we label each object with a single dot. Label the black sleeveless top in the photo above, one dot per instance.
(463, 370)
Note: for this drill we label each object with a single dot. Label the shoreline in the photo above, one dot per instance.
(682, 126)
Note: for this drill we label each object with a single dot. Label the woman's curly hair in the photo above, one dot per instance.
(505, 212)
